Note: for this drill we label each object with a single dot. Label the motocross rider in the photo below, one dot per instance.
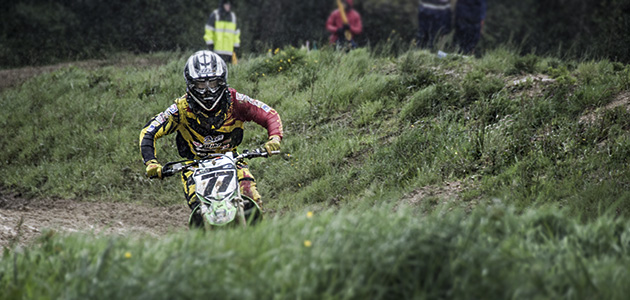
(209, 119)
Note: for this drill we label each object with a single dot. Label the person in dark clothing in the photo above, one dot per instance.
(469, 18)
(434, 20)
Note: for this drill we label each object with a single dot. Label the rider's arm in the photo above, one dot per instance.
(248, 109)
(163, 124)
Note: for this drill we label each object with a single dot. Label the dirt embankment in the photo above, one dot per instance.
(14, 77)
(22, 221)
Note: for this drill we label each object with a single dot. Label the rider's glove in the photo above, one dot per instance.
(154, 169)
(273, 144)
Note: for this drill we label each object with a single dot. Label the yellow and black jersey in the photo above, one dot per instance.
(196, 136)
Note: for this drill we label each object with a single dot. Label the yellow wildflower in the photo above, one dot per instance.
(309, 214)
(127, 254)
(308, 243)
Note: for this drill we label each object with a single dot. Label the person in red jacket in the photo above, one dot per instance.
(337, 27)
(209, 119)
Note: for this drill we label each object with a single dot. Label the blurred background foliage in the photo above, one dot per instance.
(36, 32)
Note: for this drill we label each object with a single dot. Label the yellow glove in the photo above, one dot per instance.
(273, 144)
(154, 169)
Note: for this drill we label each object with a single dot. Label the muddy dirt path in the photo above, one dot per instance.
(22, 221)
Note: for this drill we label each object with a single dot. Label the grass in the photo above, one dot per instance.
(364, 130)
(379, 253)
(352, 120)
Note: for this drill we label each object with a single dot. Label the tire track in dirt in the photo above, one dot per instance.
(22, 221)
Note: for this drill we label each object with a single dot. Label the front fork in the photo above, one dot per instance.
(241, 211)
(240, 214)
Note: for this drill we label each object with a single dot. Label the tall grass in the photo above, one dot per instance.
(377, 253)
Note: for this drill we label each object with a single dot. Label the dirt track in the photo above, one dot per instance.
(22, 221)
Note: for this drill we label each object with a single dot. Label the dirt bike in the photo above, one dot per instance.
(218, 190)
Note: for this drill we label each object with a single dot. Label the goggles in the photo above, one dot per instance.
(208, 85)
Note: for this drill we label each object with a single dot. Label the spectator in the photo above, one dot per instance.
(469, 19)
(434, 20)
(343, 30)
(222, 35)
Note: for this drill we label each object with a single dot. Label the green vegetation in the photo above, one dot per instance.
(547, 139)
(374, 254)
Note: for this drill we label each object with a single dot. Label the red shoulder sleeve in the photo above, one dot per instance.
(247, 109)
(356, 27)
(331, 25)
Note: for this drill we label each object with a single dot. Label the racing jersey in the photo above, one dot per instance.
(194, 137)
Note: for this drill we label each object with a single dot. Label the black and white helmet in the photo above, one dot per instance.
(206, 80)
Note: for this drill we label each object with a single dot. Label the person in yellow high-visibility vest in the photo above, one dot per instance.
(222, 34)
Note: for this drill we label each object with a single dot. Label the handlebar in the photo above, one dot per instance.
(172, 168)
(254, 153)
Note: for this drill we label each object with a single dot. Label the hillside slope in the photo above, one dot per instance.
(408, 177)
(359, 126)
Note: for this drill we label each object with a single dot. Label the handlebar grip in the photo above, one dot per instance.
(172, 168)
(168, 173)
(167, 170)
